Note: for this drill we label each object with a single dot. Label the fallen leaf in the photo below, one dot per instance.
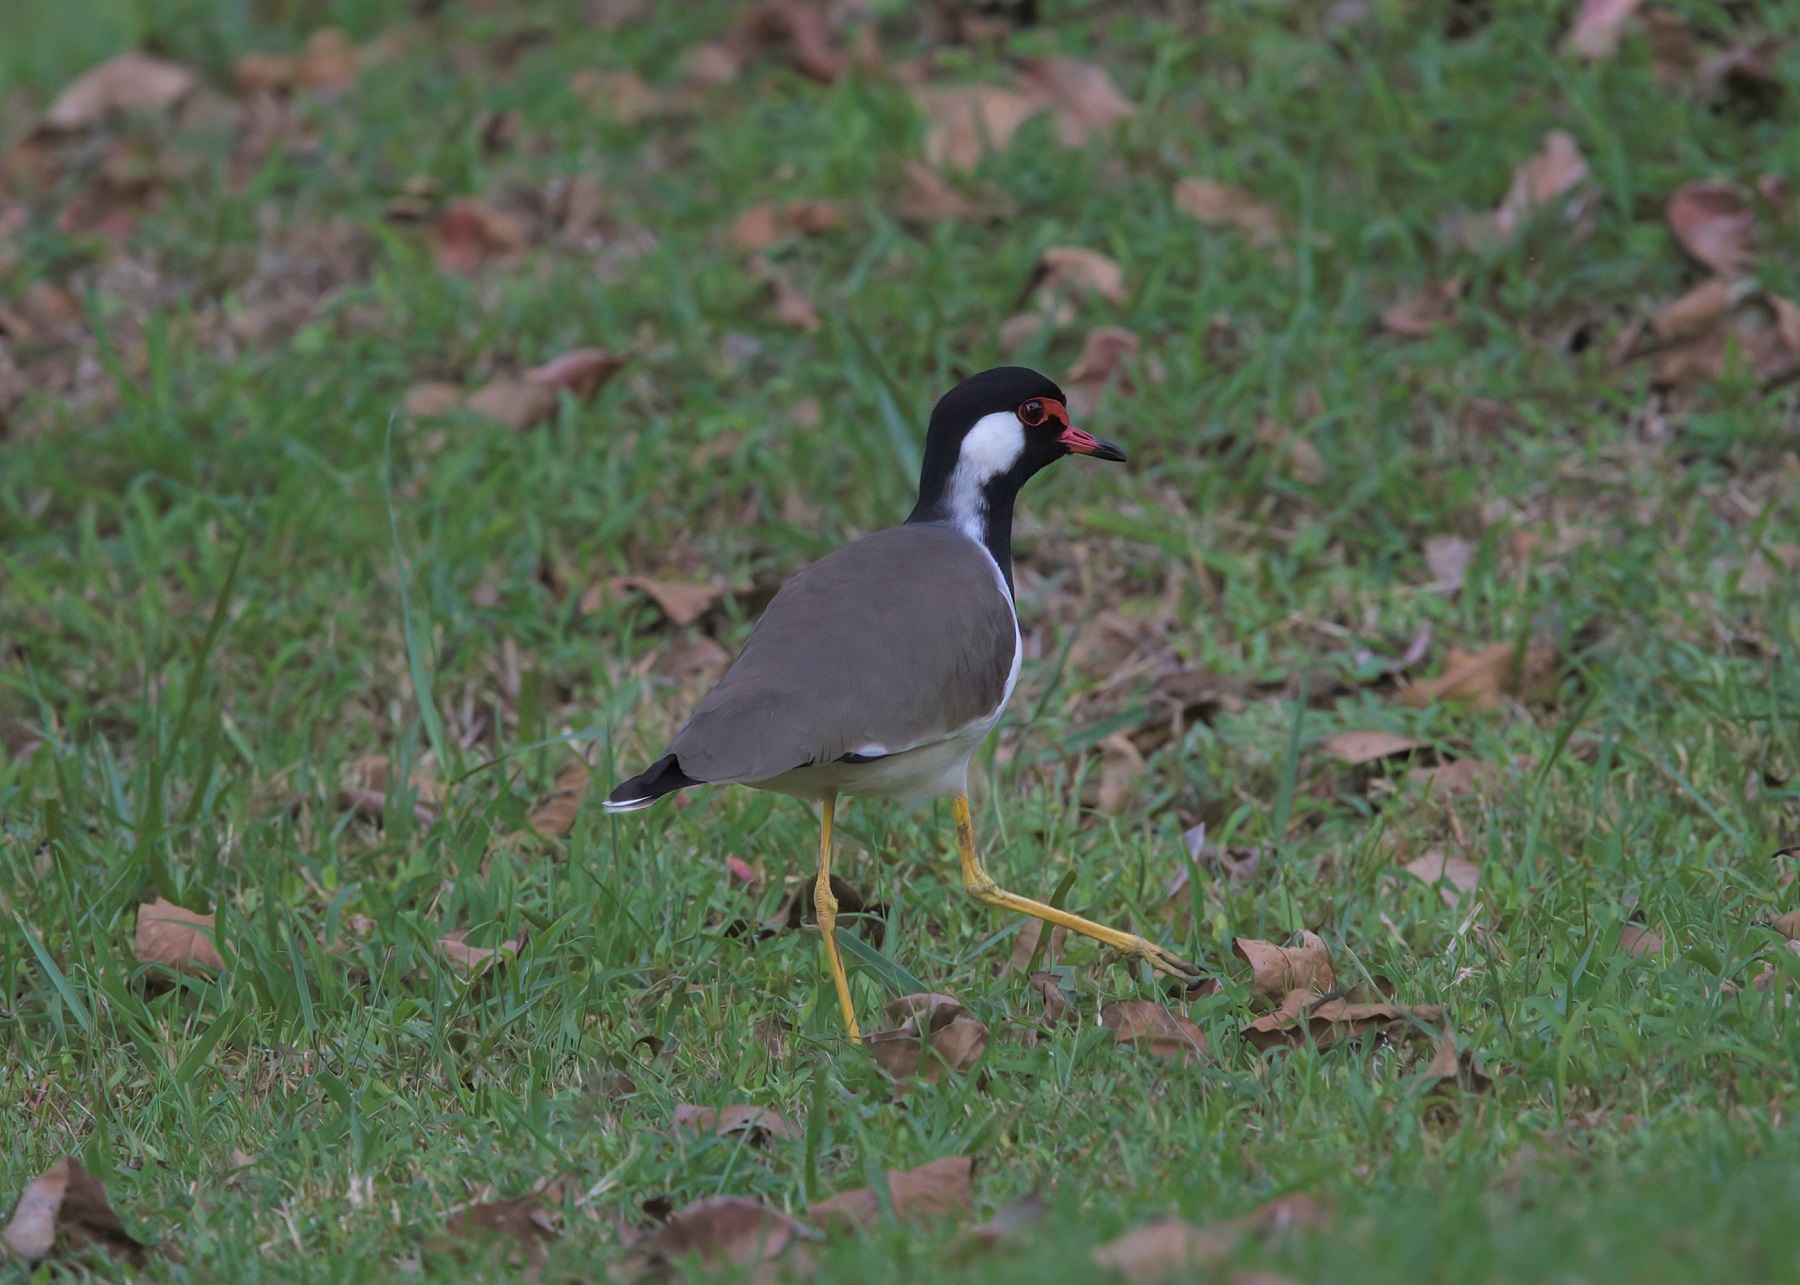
(935, 1033)
(793, 307)
(520, 404)
(756, 1124)
(1451, 875)
(470, 233)
(768, 223)
(1638, 941)
(1483, 678)
(1367, 745)
(517, 1232)
(720, 1231)
(926, 196)
(178, 937)
(583, 372)
(966, 121)
(1301, 1018)
(1452, 1069)
(700, 659)
(1787, 925)
(1599, 26)
(476, 959)
(937, 1189)
(1696, 312)
(433, 399)
(1056, 1005)
(1416, 315)
(1276, 971)
(1221, 205)
(622, 95)
(1454, 779)
(1009, 1222)
(1072, 270)
(1025, 945)
(799, 32)
(1150, 1028)
(66, 1205)
(1162, 1247)
(1715, 223)
(127, 82)
(1082, 95)
(553, 816)
(1447, 558)
(1557, 169)
(1306, 462)
(711, 64)
(1105, 354)
(682, 604)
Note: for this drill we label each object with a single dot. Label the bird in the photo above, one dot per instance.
(876, 671)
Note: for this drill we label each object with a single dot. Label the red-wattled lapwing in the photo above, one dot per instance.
(876, 671)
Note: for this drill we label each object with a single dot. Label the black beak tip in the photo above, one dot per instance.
(1107, 451)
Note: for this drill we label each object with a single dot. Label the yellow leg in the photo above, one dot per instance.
(825, 910)
(980, 885)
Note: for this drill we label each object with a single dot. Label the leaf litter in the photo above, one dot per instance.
(1166, 1246)
(65, 1209)
(177, 937)
(935, 1035)
(938, 1189)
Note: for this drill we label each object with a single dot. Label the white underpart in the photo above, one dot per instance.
(989, 449)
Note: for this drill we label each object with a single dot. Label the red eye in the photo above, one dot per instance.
(1033, 414)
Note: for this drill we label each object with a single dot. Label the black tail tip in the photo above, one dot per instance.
(662, 777)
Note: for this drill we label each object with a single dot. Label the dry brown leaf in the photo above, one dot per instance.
(768, 223)
(1638, 941)
(553, 816)
(520, 404)
(470, 234)
(66, 1205)
(1484, 677)
(1150, 1028)
(1329, 1022)
(966, 121)
(1456, 1070)
(1599, 26)
(1055, 1004)
(180, 938)
(927, 197)
(757, 1124)
(1306, 462)
(583, 372)
(1556, 170)
(1009, 1222)
(1275, 971)
(1104, 355)
(793, 307)
(1451, 875)
(693, 660)
(1447, 557)
(711, 63)
(935, 1033)
(1025, 945)
(720, 1231)
(517, 1231)
(938, 1189)
(799, 32)
(1416, 315)
(455, 947)
(1162, 1247)
(1787, 925)
(1072, 270)
(1221, 205)
(1455, 779)
(682, 604)
(433, 399)
(1696, 312)
(1082, 95)
(1715, 223)
(622, 95)
(127, 82)
(1367, 745)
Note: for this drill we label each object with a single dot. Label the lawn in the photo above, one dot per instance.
(403, 406)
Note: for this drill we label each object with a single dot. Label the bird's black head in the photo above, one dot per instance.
(988, 435)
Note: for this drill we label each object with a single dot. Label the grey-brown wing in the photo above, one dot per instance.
(894, 641)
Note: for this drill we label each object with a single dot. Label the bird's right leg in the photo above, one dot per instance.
(825, 910)
(979, 884)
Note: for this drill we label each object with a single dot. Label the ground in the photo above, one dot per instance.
(1422, 361)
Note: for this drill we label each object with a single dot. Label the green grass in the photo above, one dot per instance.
(223, 585)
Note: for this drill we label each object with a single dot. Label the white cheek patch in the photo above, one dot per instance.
(989, 449)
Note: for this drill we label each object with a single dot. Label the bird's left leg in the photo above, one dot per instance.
(979, 884)
(825, 907)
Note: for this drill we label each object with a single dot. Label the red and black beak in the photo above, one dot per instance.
(1079, 441)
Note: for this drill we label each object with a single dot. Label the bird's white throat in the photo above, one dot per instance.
(989, 450)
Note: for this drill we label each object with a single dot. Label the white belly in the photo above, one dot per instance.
(932, 771)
